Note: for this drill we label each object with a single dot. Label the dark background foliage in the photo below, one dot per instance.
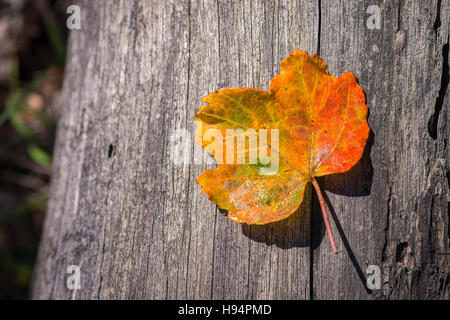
(32, 54)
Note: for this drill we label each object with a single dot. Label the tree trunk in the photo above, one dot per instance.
(137, 224)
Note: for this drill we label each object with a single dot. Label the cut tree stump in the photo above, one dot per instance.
(137, 224)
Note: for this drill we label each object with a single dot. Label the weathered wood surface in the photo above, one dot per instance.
(138, 225)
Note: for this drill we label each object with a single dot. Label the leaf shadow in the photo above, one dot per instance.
(356, 182)
(295, 231)
(318, 235)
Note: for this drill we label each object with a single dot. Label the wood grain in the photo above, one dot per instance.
(136, 222)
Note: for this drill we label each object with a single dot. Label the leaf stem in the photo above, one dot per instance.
(325, 215)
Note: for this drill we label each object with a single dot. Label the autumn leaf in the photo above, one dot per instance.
(321, 127)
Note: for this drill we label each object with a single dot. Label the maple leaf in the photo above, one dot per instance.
(322, 129)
